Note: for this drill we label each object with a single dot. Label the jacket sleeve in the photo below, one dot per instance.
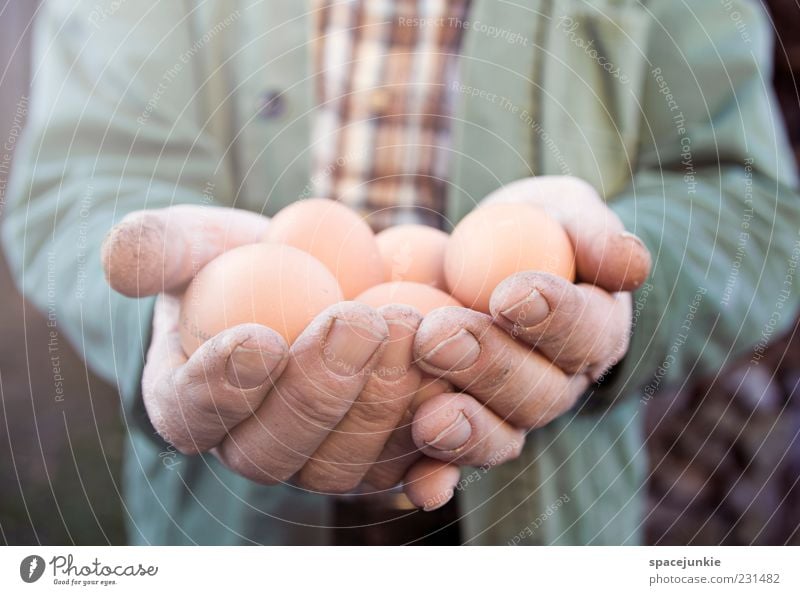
(115, 125)
(714, 200)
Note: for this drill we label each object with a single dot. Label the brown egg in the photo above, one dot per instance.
(336, 236)
(278, 286)
(498, 240)
(423, 297)
(413, 253)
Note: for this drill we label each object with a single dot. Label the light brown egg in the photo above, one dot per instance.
(496, 241)
(278, 286)
(413, 253)
(422, 297)
(336, 236)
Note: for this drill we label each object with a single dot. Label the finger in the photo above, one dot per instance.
(397, 456)
(577, 327)
(430, 484)
(329, 364)
(519, 384)
(456, 428)
(605, 254)
(400, 452)
(430, 386)
(160, 250)
(345, 456)
(193, 403)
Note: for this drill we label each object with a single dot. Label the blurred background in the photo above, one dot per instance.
(725, 464)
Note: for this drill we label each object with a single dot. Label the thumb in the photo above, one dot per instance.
(610, 259)
(605, 254)
(160, 250)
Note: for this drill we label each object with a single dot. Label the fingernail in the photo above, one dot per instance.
(396, 358)
(439, 501)
(249, 368)
(628, 236)
(349, 346)
(458, 352)
(454, 436)
(529, 311)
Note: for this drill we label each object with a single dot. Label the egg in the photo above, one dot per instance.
(336, 236)
(278, 286)
(422, 297)
(498, 240)
(413, 253)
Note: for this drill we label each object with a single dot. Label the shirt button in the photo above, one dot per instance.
(272, 105)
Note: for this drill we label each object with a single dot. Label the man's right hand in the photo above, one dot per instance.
(266, 410)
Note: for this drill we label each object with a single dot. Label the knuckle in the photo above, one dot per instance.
(571, 361)
(530, 418)
(536, 409)
(322, 476)
(384, 476)
(525, 418)
(192, 396)
(226, 407)
(174, 435)
(177, 432)
(182, 381)
(158, 415)
(241, 463)
(368, 417)
(185, 448)
(373, 411)
(191, 419)
(320, 406)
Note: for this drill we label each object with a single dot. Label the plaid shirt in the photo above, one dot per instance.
(381, 136)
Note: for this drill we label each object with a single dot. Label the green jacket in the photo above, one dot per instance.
(665, 107)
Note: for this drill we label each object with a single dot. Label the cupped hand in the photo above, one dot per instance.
(545, 342)
(319, 412)
(339, 406)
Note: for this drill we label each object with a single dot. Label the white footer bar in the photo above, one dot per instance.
(401, 571)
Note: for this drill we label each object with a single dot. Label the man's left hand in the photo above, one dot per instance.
(546, 341)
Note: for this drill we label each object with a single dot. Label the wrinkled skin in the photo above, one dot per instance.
(347, 404)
